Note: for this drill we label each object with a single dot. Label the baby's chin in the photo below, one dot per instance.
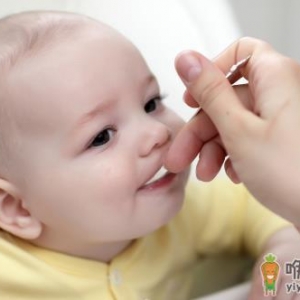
(179, 197)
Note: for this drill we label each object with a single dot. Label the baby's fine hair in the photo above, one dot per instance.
(23, 34)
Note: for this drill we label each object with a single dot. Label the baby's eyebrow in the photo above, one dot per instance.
(152, 81)
(95, 111)
(151, 78)
(91, 114)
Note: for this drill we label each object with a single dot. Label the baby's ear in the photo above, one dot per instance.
(14, 217)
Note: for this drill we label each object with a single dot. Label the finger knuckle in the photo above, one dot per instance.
(248, 41)
(239, 131)
(292, 65)
(278, 64)
(211, 91)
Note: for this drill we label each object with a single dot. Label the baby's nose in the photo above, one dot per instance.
(153, 136)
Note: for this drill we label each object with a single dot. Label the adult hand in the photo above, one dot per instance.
(256, 126)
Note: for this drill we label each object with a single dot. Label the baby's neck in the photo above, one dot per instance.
(103, 253)
(109, 251)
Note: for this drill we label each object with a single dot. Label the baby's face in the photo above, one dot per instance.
(93, 132)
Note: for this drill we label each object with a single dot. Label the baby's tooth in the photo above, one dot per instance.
(162, 171)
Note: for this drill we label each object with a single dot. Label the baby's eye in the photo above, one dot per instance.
(102, 138)
(152, 104)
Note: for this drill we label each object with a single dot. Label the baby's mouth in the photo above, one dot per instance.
(161, 173)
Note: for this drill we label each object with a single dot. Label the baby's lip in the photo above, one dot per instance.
(160, 173)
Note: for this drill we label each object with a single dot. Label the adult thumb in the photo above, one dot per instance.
(213, 92)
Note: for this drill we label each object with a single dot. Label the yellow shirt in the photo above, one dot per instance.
(216, 218)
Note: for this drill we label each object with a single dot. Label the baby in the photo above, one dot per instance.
(86, 209)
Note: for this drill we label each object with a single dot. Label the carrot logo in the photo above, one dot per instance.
(270, 271)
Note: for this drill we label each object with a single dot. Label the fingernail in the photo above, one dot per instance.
(188, 66)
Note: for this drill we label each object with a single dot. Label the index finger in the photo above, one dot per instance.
(189, 141)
